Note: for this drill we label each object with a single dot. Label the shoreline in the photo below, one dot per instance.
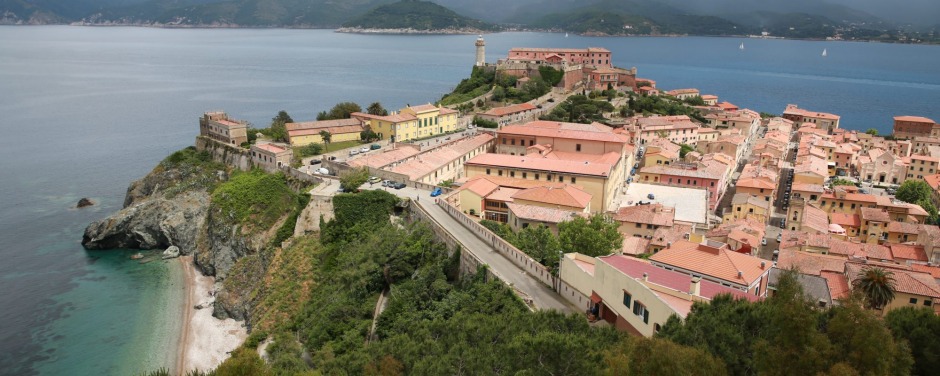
(204, 341)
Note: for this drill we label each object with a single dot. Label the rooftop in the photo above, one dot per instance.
(540, 214)
(909, 282)
(426, 163)
(810, 263)
(321, 124)
(574, 131)
(794, 110)
(719, 263)
(273, 148)
(508, 110)
(908, 252)
(564, 196)
(655, 214)
(917, 119)
(538, 163)
(386, 157)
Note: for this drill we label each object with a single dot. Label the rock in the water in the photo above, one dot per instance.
(171, 252)
(85, 201)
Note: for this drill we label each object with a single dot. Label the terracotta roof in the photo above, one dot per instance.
(674, 280)
(875, 214)
(933, 181)
(903, 227)
(333, 130)
(908, 252)
(862, 250)
(719, 263)
(566, 196)
(810, 114)
(815, 219)
(709, 96)
(273, 148)
(505, 181)
(633, 245)
(393, 118)
(508, 110)
(682, 91)
(503, 194)
(423, 108)
(385, 157)
(845, 220)
(482, 187)
(228, 123)
(554, 129)
(709, 172)
(746, 198)
(538, 213)
(663, 236)
(919, 119)
(934, 271)
(838, 284)
(807, 187)
(541, 164)
(909, 282)
(810, 263)
(426, 163)
(655, 214)
(554, 50)
(925, 157)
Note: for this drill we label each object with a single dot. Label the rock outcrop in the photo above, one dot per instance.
(85, 201)
(150, 224)
(172, 252)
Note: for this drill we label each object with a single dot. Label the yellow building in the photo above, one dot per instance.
(305, 133)
(746, 206)
(411, 122)
(912, 289)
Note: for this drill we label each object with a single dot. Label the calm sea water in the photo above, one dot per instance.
(83, 111)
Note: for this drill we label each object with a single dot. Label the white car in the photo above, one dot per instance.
(364, 150)
(763, 241)
(353, 152)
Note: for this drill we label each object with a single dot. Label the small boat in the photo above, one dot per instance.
(741, 47)
(137, 256)
(566, 35)
(824, 53)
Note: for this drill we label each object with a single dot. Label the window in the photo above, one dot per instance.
(913, 300)
(524, 175)
(531, 142)
(561, 179)
(536, 176)
(504, 141)
(512, 174)
(639, 225)
(626, 299)
(512, 141)
(640, 310)
(577, 147)
(499, 172)
(739, 208)
(572, 180)
(487, 171)
(927, 302)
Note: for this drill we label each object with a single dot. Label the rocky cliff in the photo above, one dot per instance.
(173, 206)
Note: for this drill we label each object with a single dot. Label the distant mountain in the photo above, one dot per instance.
(637, 17)
(417, 15)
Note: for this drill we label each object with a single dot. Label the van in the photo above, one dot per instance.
(323, 171)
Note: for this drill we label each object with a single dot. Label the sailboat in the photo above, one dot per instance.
(824, 53)
(741, 47)
(566, 35)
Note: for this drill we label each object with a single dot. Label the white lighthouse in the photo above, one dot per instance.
(481, 51)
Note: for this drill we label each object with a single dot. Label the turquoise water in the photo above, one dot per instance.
(84, 111)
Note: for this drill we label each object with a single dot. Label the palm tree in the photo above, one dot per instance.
(326, 136)
(877, 286)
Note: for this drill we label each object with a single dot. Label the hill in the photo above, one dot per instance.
(636, 17)
(417, 15)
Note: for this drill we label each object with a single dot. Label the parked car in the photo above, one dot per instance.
(364, 149)
(436, 192)
(315, 161)
(763, 241)
(387, 183)
(779, 237)
(651, 196)
(398, 185)
(375, 147)
(332, 158)
(374, 179)
(353, 152)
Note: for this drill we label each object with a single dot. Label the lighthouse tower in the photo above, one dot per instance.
(481, 52)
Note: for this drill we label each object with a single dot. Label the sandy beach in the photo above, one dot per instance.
(205, 341)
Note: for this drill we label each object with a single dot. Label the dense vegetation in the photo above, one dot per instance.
(254, 198)
(504, 88)
(787, 335)
(418, 15)
(192, 169)
(659, 105)
(919, 192)
(579, 109)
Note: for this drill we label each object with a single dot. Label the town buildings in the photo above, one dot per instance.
(340, 130)
(512, 114)
(824, 121)
(411, 122)
(270, 156)
(915, 126)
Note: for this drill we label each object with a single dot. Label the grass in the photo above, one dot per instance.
(255, 197)
(334, 146)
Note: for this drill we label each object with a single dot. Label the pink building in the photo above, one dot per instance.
(595, 56)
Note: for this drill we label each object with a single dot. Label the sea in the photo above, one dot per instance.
(86, 110)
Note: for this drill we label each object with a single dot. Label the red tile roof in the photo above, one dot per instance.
(573, 131)
(273, 148)
(846, 220)
(718, 263)
(934, 271)
(810, 263)
(908, 252)
(838, 284)
(655, 214)
(565, 196)
(904, 227)
(538, 213)
(321, 124)
(875, 214)
(509, 110)
(919, 119)
(909, 282)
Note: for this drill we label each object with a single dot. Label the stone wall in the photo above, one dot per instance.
(226, 154)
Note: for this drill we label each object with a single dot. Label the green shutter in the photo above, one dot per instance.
(646, 317)
(626, 299)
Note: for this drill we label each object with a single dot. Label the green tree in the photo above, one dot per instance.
(311, 149)
(596, 236)
(695, 101)
(877, 286)
(635, 355)
(872, 131)
(483, 123)
(376, 109)
(920, 327)
(368, 135)
(352, 179)
(931, 210)
(277, 130)
(541, 244)
(684, 149)
(865, 343)
(327, 137)
(912, 191)
(838, 182)
(341, 110)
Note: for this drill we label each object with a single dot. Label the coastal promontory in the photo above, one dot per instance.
(415, 17)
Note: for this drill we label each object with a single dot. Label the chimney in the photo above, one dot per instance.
(740, 274)
(695, 288)
(646, 277)
(763, 265)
